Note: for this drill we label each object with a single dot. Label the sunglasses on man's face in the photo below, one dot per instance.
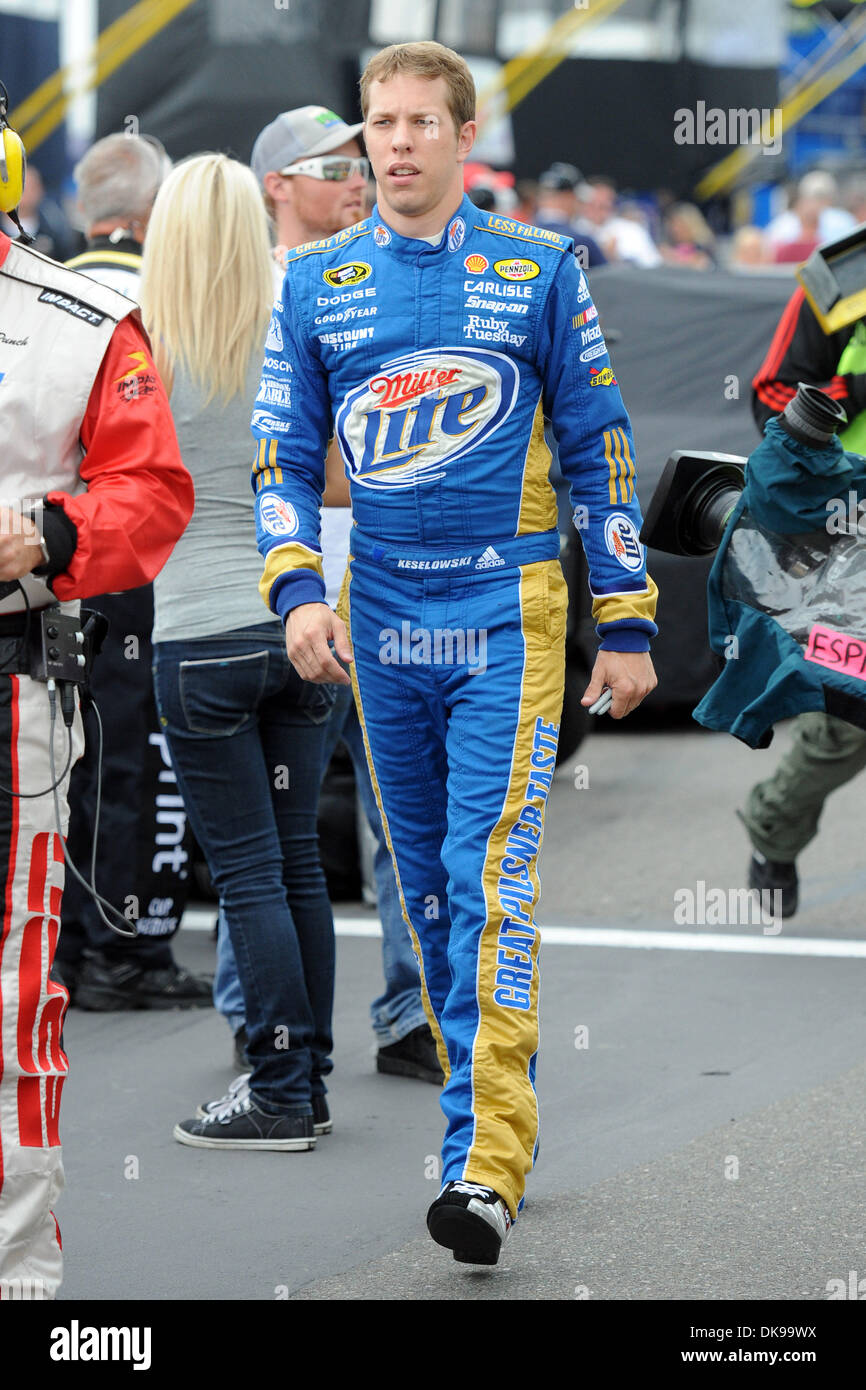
(333, 167)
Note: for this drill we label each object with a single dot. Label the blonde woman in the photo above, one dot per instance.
(245, 733)
(688, 239)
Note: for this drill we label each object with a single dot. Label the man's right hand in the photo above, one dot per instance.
(309, 628)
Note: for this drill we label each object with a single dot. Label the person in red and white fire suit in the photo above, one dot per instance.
(93, 498)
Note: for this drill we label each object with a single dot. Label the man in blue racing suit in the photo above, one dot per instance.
(433, 338)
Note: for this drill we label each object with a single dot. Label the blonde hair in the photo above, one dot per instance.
(424, 59)
(207, 282)
(694, 222)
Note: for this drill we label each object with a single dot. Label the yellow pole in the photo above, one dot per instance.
(723, 174)
(42, 112)
(522, 73)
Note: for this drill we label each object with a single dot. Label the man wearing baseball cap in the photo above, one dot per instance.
(307, 192)
(559, 211)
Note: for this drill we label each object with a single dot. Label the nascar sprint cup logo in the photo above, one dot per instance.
(419, 413)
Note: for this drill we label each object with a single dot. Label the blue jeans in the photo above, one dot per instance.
(396, 1012)
(245, 735)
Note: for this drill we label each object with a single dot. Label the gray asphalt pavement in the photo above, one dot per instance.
(707, 1141)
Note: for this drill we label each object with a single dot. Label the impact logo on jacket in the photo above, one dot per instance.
(418, 413)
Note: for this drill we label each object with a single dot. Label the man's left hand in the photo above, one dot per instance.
(629, 675)
(20, 550)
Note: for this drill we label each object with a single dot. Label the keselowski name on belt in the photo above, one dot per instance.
(452, 563)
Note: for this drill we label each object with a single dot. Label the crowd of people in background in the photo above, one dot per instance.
(608, 224)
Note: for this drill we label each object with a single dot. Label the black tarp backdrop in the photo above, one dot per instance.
(223, 68)
(618, 118)
(29, 53)
(689, 344)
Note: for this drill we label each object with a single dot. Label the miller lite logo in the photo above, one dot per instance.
(622, 542)
(418, 413)
(456, 234)
(278, 517)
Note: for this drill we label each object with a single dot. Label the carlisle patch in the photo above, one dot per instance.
(278, 517)
(622, 542)
(352, 273)
(516, 269)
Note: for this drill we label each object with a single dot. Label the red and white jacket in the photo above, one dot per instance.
(86, 427)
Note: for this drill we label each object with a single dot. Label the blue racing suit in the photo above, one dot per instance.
(436, 365)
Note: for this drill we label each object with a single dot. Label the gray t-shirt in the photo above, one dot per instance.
(210, 582)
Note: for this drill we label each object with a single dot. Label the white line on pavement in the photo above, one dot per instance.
(202, 919)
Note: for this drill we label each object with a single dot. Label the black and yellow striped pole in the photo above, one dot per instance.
(521, 74)
(42, 112)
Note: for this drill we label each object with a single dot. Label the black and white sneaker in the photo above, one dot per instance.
(239, 1124)
(240, 1088)
(321, 1116)
(471, 1220)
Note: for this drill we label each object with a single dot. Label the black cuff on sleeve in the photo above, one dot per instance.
(60, 536)
(855, 384)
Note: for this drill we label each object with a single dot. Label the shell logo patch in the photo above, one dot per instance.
(476, 264)
(622, 542)
(516, 269)
(278, 517)
(350, 274)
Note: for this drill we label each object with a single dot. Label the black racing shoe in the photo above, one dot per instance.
(769, 875)
(415, 1055)
(172, 987)
(239, 1124)
(471, 1220)
(106, 986)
